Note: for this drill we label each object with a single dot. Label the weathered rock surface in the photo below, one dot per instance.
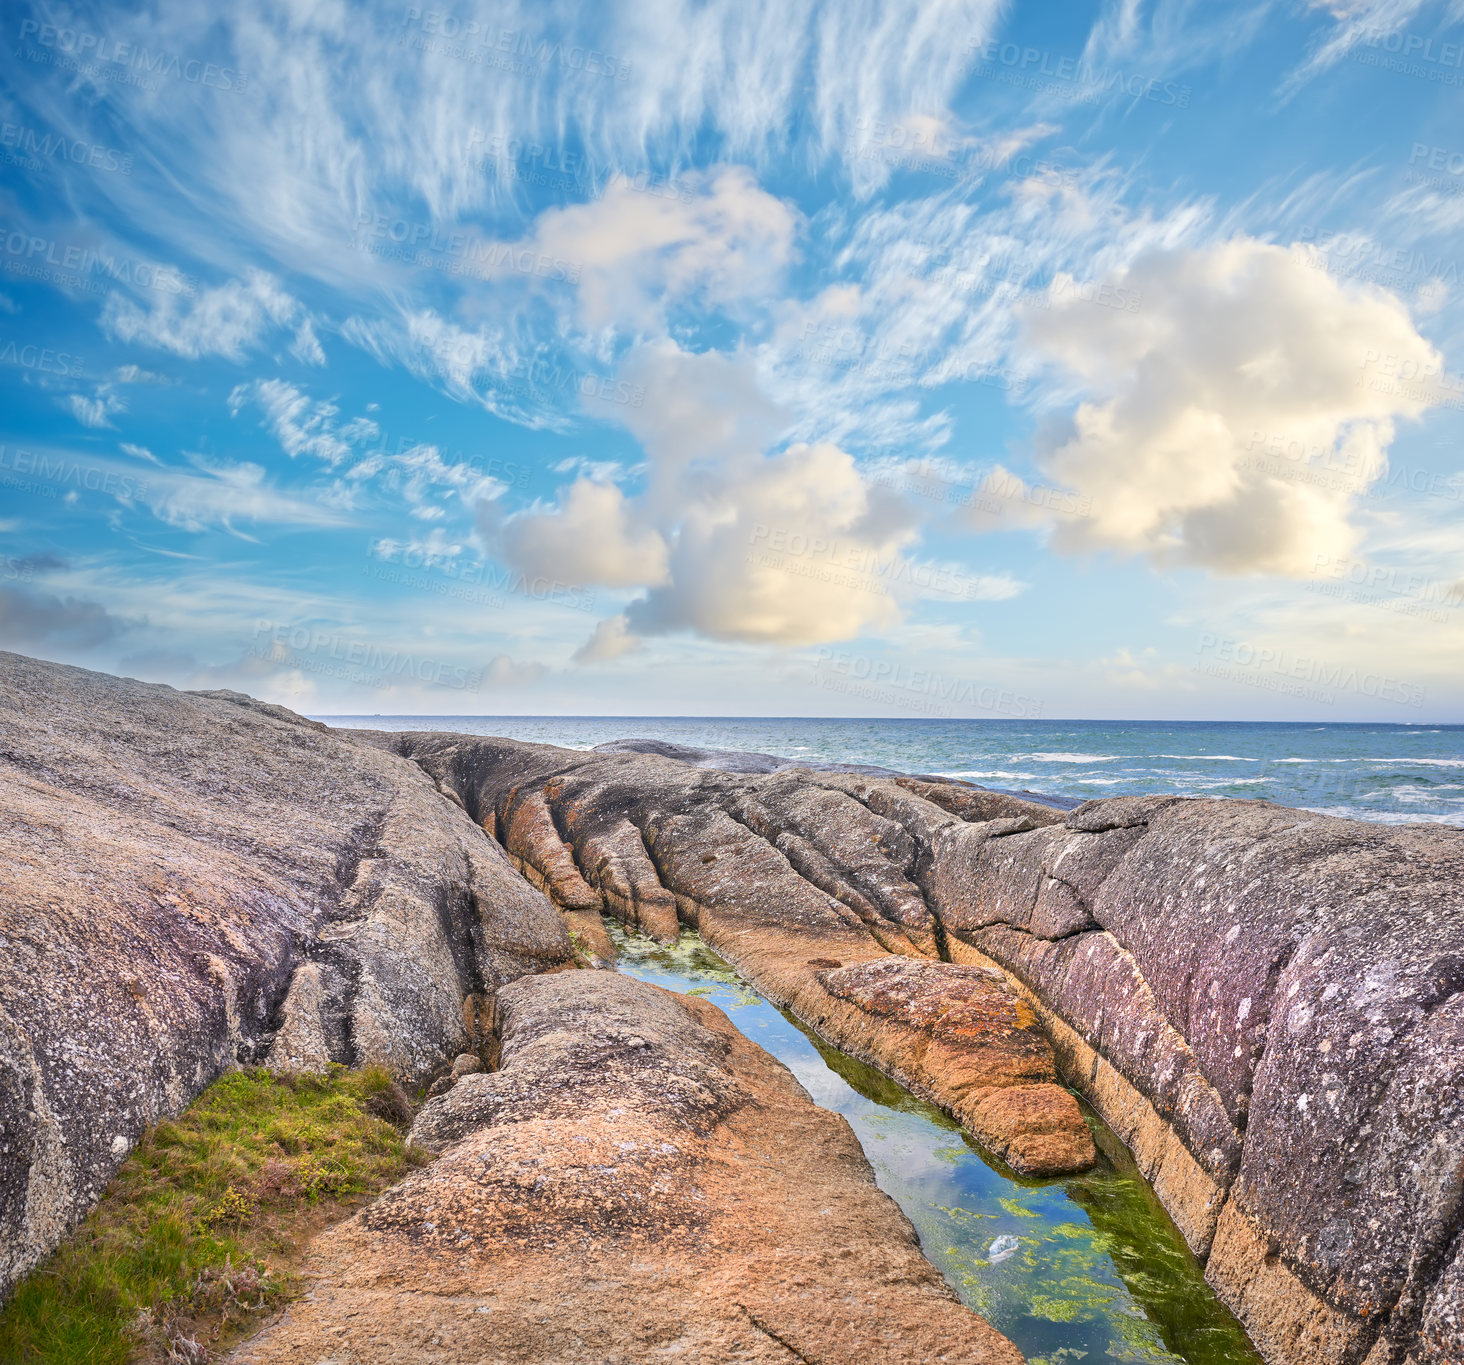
(638, 1182)
(780, 872)
(1265, 1003)
(188, 882)
(961, 1036)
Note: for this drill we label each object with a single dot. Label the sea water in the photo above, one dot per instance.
(1391, 773)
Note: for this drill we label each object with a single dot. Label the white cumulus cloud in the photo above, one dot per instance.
(593, 535)
(1235, 402)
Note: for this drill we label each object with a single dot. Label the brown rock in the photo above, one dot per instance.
(539, 853)
(961, 1038)
(587, 929)
(639, 1182)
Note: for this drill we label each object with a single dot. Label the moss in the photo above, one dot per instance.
(198, 1233)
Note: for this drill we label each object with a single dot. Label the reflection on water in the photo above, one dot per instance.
(1086, 1267)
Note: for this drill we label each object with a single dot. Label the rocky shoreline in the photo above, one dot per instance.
(1265, 1004)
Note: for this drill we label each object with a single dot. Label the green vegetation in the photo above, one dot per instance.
(687, 957)
(197, 1235)
(1087, 1267)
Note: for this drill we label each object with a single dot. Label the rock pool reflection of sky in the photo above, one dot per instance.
(1089, 1268)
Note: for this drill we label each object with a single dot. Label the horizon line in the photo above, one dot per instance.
(912, 720)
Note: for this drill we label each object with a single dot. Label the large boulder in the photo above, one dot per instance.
(637, 1181)
(189, 882)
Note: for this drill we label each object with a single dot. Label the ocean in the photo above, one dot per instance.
(1389, 773)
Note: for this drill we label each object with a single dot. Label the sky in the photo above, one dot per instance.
(932, 358)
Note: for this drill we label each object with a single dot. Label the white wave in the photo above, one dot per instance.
(1388, 817)
(1431, 762)
(999, 774)
(1064, 758)
(1223, 758)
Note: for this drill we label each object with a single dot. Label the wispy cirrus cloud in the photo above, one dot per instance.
(227, 320)
(303, 426)
(1355, 22)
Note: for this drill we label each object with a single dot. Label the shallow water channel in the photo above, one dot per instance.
(1083, 1268)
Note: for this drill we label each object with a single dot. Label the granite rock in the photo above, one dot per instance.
(637, 1182)
(1264, 1002)
(190, 882)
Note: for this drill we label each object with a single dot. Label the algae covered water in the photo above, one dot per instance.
(1081, 1268)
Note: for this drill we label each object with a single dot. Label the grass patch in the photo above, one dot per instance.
(198, 1235)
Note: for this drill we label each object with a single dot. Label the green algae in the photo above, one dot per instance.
(1088, 1267)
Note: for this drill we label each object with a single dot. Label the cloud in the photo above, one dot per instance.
(301, 426)
(224, 493)
(593, 535)
(790, 550)
(306, 346)
(703, 412)
(1354, 22)
(43, 561)
(502, 671)
(487, 365)
(714, 238)
(31, 620)
(728, 542)
(611, 639)
(1163, 38)
(95, 412)
(371, 104)
(1236, 400)
(434, 550)
(424, 479)
(135, 374)
(224, 321)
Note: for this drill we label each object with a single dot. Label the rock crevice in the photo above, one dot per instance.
(188, 879)
(781, 873)
(654, 1176)
(1260, 1001)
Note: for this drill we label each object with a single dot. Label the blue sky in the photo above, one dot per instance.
(910, 359)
